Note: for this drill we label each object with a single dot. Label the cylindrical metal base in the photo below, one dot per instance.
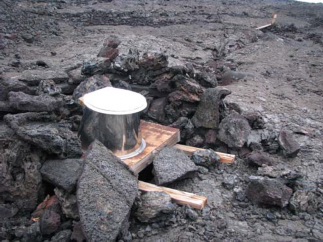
(119, 133)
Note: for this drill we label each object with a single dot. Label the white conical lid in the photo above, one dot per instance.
(115, 101)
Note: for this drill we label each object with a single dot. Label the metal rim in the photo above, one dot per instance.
(136, 152)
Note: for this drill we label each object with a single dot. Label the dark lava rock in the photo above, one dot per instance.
(191, 214)
(48, 87)
(179, 96)
(95, 66)
(91, 84)
(28, 38)
(234, 130)
(206, 79)
(188, 85)
(157, 109)
(127, 62)
(171, 164)
(62, 173)
(205, 157)
(196, 141)
(230, 77)
(76, 76)
(78, 234)
(301, 201)
(49, 222)
(105, 194)
(20, 180)
(40, 130)
(154, 206)
(8, 210)
(207, 114)
(33, 77)
(62, 236)
(288, 144)
(256, 121)
(29, 234)
(12, 84)
(25, 102)
(42, 63)
(68, 203)
(268, 191)
(260, 158)
(210, 136)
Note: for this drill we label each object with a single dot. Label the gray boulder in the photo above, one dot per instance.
(154, 206)
(288, 144)
(208, 111)
(62, 173)
(260, 158)
(25, 102)
(49, 87)
(205, 157)
(268, 191)
(171, 164)
(68, 203)
(62, 236)
(33, 77)
(105, 194)
(39, 129)
(234, 130)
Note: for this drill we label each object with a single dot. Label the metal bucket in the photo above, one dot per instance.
(118, 132)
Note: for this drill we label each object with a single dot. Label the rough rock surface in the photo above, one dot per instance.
(49, 222)
(20, 180)
(62, 173)
(25, 102)
(52, 137)
(105, 194)
(207, 114)
(68, 203)
(259, 158)
(234, 130)
(62, 236)
(205, 157)
(288, 144)
(33, 77)
(171, 164)
(154, 206)
(268, 191)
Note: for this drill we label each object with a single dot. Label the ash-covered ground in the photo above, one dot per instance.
(185, 57)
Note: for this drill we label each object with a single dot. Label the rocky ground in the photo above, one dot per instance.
(192, 60)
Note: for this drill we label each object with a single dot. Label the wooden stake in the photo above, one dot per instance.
(272, 21)
(225, 158)
(183, 198)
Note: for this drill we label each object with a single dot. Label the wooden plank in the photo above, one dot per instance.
(157, 137)
(225, 158)
(180, 197)
(273, 20)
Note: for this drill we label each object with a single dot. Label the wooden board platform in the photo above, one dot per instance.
(157, 137)
(225, 158)
(183, 198)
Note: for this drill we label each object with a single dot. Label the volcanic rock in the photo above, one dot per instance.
(77, 234)
(95, 66)
(33, 77)
(178, 96)
(208, 111)
(76, 76)
(40, 130)
(196, 141)
(288, 144)
(127, 62)
(91, 84)
(301, 201)
(234, 130)
(49, 222)
(259, 158)
(62, 173)
(105, 194)
(48, 87)
(210, 136)
(206, 79)
(20, 180)
(12, 84)
(268, 191)
(157, 109)
(155, 206)
(205, 157)
(256, 121)
(62, 236)
(231, 76)
(68, 203)
(25, 102)
(109, 49)
(171, 164)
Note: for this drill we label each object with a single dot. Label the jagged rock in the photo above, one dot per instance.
(256, 121)
(157, 109)
(230, 77)
(33, 77)
(25, 102)
(5, 107)
(268, 191)
(301, 201)
(62, 173)
(53, 138)
(76, 76)
(179, 96)
(12, 84)
(68, 203)
(205, 157)
(95, 66)
(191, 214)
(48, 87)
(208, 111)
(279, 172)
(91, 84)
(288, 144)
(196, 141)
(188, 85)
(49, 222)
(164, 83)
(154, 206)
(129, 62)
(153, 61)
(210, 136)
(62, 236)
(50, 202)
(171, 164)
(20, 180)
(77, 234)
(8, 210)
(234, 130)
(206, 79)
(30, 233)
(259, 158)
(108, 203)
(109, 49)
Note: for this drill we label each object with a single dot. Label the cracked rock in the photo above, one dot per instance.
(259, 158)
(288, 144)
(205, 157)
(171, 164)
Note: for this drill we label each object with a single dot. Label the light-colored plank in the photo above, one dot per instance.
(272, 21)
(180, 197)
(225, 158)
(157, 137)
